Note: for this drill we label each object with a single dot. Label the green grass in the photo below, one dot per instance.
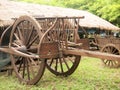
(90, 75)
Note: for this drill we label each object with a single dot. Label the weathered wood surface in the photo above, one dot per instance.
(17, 52)
(94, 54)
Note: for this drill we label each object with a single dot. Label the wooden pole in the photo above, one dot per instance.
(17, 52)
(94, 54)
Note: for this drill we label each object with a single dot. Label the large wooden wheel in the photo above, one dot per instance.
(25, 37)
(112, 49)
(59, 64)
(63, 66)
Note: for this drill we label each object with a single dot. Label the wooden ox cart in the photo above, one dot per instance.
(33, 43)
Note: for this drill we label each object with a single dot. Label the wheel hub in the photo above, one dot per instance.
(22, 49)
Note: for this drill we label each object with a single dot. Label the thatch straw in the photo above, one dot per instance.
(11, 9)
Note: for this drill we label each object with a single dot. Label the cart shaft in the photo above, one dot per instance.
(94, 54)
(17, 52)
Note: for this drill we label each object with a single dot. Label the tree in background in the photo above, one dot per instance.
(107, 9)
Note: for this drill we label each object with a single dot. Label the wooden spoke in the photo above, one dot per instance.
(105, 61)
(31, 67)
(112, 63)
(34, 63)
(51, 62)
(110, 48)
(20, 65)
(32, 41)
(28, 71)
(105, 50)
(16, 45)
(61, 66)
(21, 30)
(56, 66)
(115, 63)
(116, 53)
(24, 62)
(29, 36)
(66, 63)
(18, 41)
(114, 50)
(109, 62)
(70, 59)
(20, 34)
(16, 36)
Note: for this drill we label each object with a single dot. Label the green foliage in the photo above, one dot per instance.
(107, 9)
(111, 13)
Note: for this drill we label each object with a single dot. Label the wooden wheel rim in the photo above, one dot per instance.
(112, 49)
(63, 66)
(24, 61)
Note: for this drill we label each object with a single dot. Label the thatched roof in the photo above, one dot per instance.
(12, 9)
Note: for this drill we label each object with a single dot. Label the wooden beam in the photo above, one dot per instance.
(94, 54)
(17, 52)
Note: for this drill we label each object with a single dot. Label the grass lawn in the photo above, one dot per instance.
(90, 75)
